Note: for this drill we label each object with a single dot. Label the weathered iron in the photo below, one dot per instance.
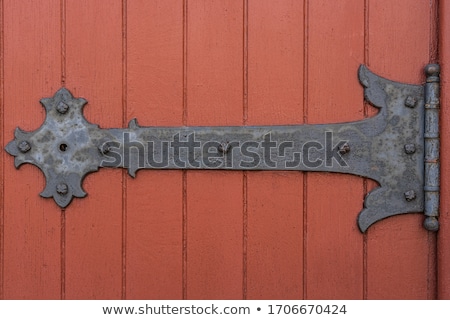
(432, 146)
(389, 148)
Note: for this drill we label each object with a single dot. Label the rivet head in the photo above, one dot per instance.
(62, 188)
(344, 148)
(24, 146)
(410, 195)
(62, 107)
(410, 102)
(410, 148)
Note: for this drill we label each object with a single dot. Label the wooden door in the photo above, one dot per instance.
(210, 234)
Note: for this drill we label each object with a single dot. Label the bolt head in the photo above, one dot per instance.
(62, 188)
(410, 195)
(344, 148)
(410, 148)
(24, 146)
(62, 107)
(410, 102)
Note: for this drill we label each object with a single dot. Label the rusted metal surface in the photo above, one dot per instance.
(388, 148)
(432, 146)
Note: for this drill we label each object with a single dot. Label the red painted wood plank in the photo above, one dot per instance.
(398, 247)
(334, 245)
(275, 199)
(444, 233)
(2, 143)
(397, 259)
(32, 69)
(94, 224)
(154, 199)
(214, 199)
(220, 263)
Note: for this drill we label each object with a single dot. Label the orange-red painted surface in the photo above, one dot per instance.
(209, 234)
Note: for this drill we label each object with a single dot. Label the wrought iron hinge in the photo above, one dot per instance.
(398, 148)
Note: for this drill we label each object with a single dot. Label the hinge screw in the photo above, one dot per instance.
(24, 146)
(410, 102)
(410, 148)
(344, 148)
(62, 188)
(410, 195)
(62, 107)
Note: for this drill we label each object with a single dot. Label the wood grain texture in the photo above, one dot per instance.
(214, 199)
(154, 198)
(444, 233)
(31, 225)
(94, 224)
(213, 234)
(334, 245)
(275, 199)
(398, 247)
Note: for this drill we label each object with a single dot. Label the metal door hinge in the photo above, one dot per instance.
(398, 148)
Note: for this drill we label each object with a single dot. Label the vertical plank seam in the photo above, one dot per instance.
(63, 211)
(245, 63)
(63, 254)
(305, 120)
(63, 42)
(185, 26)
(2, 114)
(441, 246)
(244, 173)
(184, 235)
(434, 31)
(184, 173)
(442, 242)
(432, 276)
(365, 181)
(124, 173)
(365, 249)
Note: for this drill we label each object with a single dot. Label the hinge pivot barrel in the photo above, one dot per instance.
(431, 136)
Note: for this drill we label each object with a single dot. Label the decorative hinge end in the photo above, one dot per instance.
(63, 148)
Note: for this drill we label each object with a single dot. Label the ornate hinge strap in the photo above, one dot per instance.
(432, 145)
(388, 148)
